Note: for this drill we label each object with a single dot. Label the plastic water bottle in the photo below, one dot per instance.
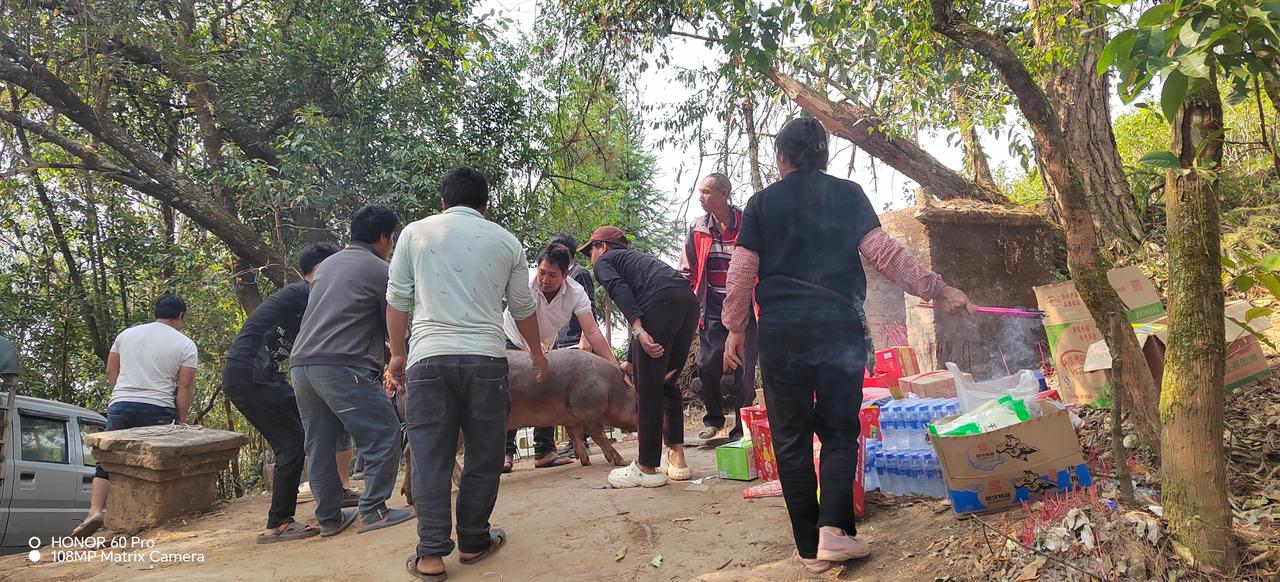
(910, 416)
(939, 486)
(870, 480)
(895, 472)
(886, 424)
(882, 472)
(920, 472)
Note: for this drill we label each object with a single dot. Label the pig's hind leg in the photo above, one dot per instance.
(579, 445)
(606, 445)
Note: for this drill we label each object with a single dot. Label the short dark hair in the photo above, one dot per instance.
(565, 239)
(465, 187)
(804, 142)
(372, 222)
(170, 306)
(313, 255)
(722, 181)
(556, 254)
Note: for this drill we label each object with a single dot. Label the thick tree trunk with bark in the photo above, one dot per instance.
(1193, 471)
(859, 125)
(1081, 98)
(1084, 257)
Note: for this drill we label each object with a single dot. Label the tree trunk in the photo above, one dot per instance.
(753, 142)
(974, 156)
(1084, 257)
(1081, 98)
(1194, 473)
(859, 125)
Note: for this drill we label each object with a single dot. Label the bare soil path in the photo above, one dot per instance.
(563, 525)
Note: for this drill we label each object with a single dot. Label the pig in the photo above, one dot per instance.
(582, 392)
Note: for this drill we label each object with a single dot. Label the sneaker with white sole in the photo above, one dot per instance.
(632, 476)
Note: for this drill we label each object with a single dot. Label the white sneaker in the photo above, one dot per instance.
(632, 476)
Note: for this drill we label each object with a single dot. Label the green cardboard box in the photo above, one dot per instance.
(733, 461)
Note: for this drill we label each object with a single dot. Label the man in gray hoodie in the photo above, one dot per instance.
(336, 365)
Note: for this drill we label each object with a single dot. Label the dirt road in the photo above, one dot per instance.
(563, 525)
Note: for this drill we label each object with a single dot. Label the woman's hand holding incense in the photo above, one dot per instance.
(953, 300)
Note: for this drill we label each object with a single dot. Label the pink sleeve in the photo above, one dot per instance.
(743, 268)
(896, 264)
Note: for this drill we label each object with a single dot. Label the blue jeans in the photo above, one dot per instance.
(334, 398)
(122, 415)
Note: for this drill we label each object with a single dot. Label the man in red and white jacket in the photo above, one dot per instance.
(707, 250)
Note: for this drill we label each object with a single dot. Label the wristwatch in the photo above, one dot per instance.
(635, 332)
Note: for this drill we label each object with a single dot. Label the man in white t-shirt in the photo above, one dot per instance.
(558, 300)
(152, 374)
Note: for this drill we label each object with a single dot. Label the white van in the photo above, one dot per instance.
(46, 482)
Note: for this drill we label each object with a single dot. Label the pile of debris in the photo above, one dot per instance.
(1087, 535)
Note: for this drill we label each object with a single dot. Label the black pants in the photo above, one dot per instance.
(711, 340)
(799, 363)
(671, 320)
(268, 403)
(447, 394)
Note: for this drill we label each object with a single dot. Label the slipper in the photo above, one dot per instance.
(708, 432)
(557, 462)
(508, 464)
(87, 528)
(412, 566)
(387, 518)
(348, 518)
(294, 531)
(350, 498)
(675, 473)
(497, 539)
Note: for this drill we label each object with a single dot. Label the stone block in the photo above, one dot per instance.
(160, 472)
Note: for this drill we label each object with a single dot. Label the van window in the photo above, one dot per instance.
(88, 427)
(44, 439)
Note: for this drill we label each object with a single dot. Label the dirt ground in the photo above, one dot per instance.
(562, 523)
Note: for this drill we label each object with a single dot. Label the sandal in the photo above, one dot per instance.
(348, 517)
(497, 539)
(293, 531)
(87, 528)
(386, 518)
(412, 566)
(508, 464)
(708, 432)
(556, 461)
(675, 473)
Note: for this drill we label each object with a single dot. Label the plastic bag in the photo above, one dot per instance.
(991, 415)
(1022, 386)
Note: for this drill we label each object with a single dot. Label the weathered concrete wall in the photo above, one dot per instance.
(995, 256)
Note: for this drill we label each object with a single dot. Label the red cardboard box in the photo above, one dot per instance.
(897, 361)
(762, 446)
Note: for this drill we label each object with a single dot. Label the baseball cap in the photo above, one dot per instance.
(606, 234)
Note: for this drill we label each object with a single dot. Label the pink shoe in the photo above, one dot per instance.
(813, 564)
(840, 547)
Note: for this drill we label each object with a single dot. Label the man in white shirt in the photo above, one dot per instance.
(559, 299)
(152, 374)
(452, 272)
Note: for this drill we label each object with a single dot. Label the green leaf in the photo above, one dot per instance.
(1118, 50)
(1256, 312)
(1173, 94)
(1193, 65)
(1244, 283)
(1155, 15)
(1227, 262)
(1271, 282)
(1188, 36)
(1270, 263)
(1165, 160)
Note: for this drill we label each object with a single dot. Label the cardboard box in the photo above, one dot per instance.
(1003, 468)
(939, 384)
(897, 361)
(1245, 361)
(1062, 303)
(1071, 329)
(733, 461)
(757, 422)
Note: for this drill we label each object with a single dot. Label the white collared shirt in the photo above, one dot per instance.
(553, 314)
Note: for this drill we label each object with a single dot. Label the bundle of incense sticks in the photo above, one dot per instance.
(998, 311)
